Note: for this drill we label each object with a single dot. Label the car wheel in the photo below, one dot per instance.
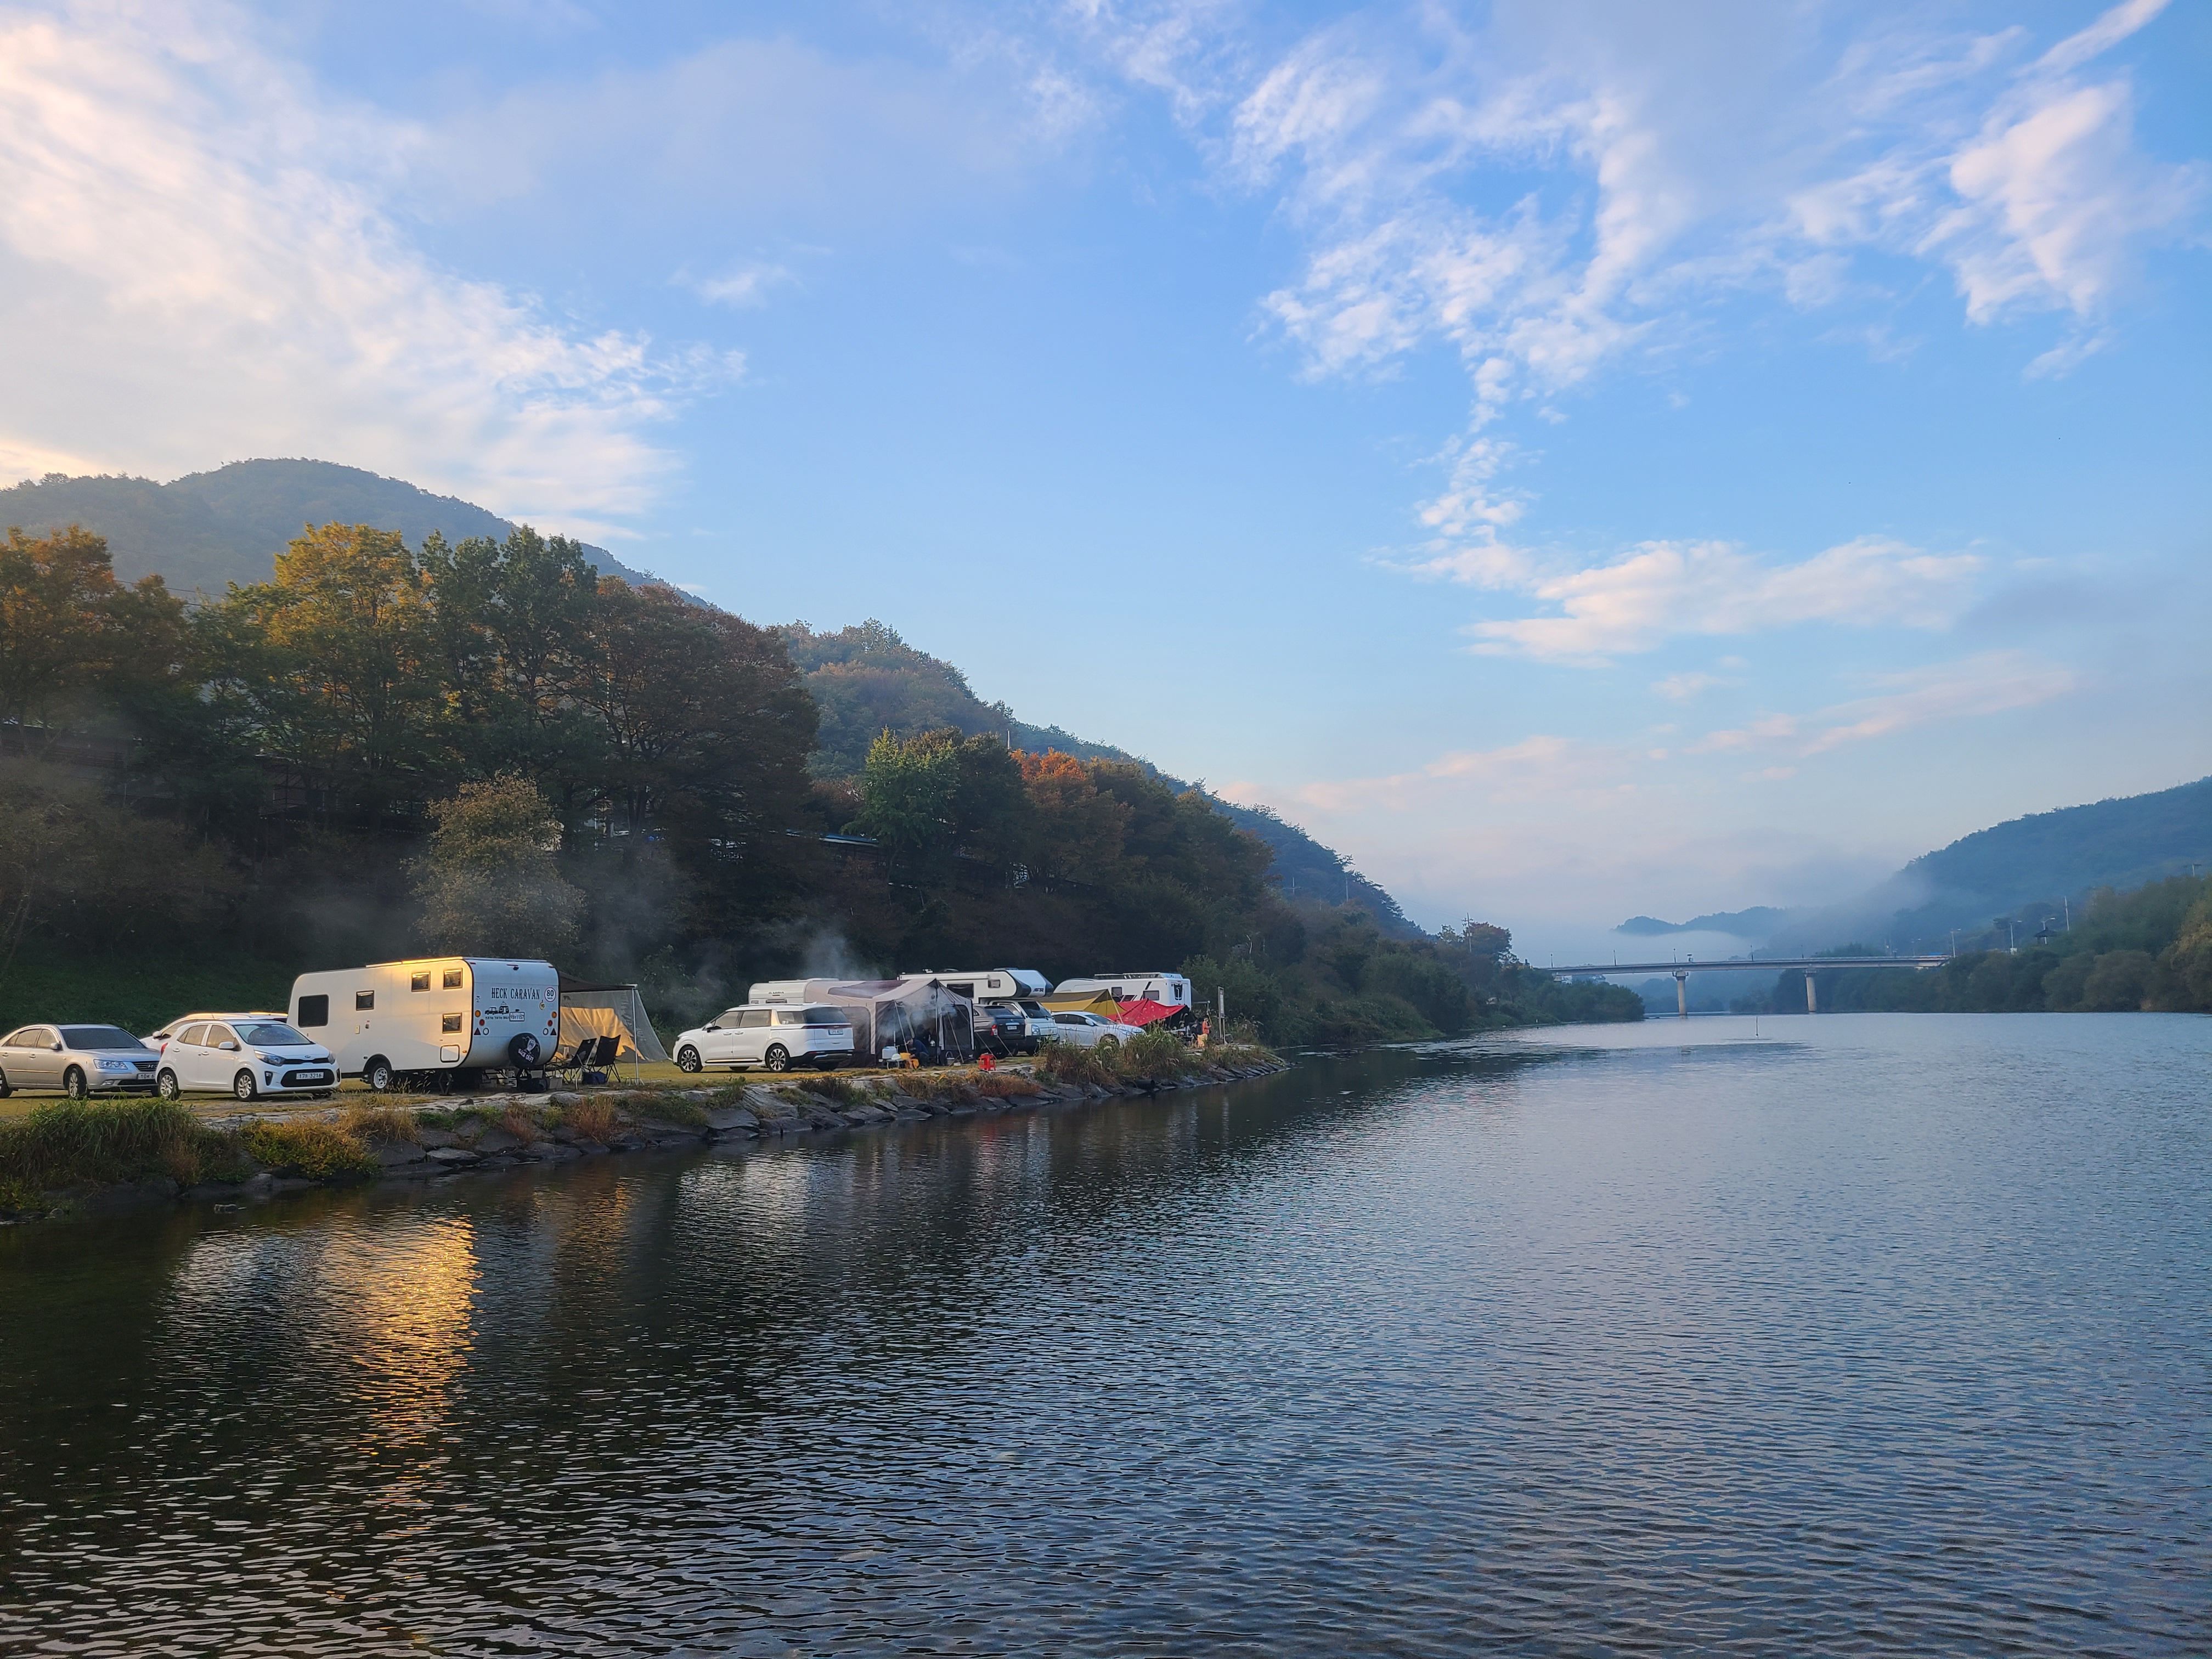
(243, 1086)
(378, 1076)
(777, 1059)
(686, 1058)
(1108, 1043)
(6, 1087)
(73, 1084)
(167, 1086)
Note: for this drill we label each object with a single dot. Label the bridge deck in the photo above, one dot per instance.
(1750, 965)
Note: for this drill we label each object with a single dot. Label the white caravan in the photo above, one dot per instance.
(1169, 990)
(393, 1022)
(990, 984)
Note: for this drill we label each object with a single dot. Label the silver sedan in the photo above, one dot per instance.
(76, 1059)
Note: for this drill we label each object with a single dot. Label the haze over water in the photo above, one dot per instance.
(1869, 1334)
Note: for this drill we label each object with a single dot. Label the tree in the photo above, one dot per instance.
(490, 883)
(907, 790)
(334, 665)
(68, 627)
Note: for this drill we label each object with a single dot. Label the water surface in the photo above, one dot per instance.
(1868, 1334)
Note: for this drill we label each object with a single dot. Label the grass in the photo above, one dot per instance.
(320, 1151)
(68, 1144)
(137, 990)
(366, 1121)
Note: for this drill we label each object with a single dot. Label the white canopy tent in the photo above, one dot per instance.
(615, 1011)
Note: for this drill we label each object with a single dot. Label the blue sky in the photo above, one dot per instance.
(1577, 458)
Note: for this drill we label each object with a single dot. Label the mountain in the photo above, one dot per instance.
(1757, 922)
(2026, 868)
(207, 530)
(866, 680)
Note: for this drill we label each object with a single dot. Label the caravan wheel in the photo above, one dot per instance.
(377, 1076)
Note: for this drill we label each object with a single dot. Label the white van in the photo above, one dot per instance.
(773, 1037)
(401, 1022)
(1169, 990)
(991, 984)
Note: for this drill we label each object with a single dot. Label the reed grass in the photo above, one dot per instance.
(317, 1151)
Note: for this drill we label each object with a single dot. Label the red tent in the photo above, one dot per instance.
(1144, 1012)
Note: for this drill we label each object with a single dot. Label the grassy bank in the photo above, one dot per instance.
(137, 990)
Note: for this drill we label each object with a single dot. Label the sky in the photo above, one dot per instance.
(1578, 459)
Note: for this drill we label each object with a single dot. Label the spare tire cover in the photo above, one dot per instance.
(523, 1050)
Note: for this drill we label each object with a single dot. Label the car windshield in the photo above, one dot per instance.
(98, 1036)
(271, 1036)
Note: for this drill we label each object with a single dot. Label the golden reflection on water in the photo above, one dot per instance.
(399, 1306)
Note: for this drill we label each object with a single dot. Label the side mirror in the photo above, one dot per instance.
(710, 1026)
(229, 1048)
(58, 1048)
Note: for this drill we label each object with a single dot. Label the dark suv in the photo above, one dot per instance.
(1002, 1029)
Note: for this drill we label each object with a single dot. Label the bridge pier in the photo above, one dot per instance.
(1812, 997)
(1682, 994)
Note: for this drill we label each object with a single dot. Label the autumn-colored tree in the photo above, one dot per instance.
(69, 629)
(333, 665)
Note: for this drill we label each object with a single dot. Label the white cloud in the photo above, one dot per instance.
(1994, 683)
(197, 267)
(1664, 590)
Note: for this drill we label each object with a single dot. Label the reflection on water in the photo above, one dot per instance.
(1871, 1336)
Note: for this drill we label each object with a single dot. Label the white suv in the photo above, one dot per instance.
(247, 1055)
(775, 1038)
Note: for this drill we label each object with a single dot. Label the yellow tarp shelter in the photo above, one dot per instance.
(615, 1011)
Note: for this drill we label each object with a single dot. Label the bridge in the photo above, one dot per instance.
(1682, 971)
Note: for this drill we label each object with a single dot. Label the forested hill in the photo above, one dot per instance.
(866, 680)
(207, 530)
(2121, 843)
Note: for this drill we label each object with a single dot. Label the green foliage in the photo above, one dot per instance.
(2148, 949)
(317, 1151)
(490, 883)
(906, 791)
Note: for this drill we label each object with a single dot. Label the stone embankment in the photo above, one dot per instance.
(430, 1139)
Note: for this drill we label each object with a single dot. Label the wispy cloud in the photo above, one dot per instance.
(1666, 590)
(196, 266)
(742, 286)
(1994, 683)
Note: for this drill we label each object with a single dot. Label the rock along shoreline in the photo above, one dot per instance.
(421, 1140)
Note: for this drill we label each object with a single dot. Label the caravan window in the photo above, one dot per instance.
(419, 981)
(363, 1001)
(314, 1011)
(451, 1023)
(453, 979)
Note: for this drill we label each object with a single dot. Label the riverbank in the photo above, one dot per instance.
(70, 1160)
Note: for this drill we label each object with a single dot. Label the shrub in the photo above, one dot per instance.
(1154, 1055)
(592, 1119)
(69, 1143)
(320, 1151)
(519, 1124)
(381, 1122)
(1066, 1063)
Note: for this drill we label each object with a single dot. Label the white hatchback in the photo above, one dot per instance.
(247, 1055)
(775, 1038)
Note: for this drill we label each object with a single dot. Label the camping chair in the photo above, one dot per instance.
(591, 1053)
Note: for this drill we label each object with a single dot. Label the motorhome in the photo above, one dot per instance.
(990, 984)
(1169, 990)
(396, 1023)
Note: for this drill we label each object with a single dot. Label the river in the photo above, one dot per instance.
(1857, 1334)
